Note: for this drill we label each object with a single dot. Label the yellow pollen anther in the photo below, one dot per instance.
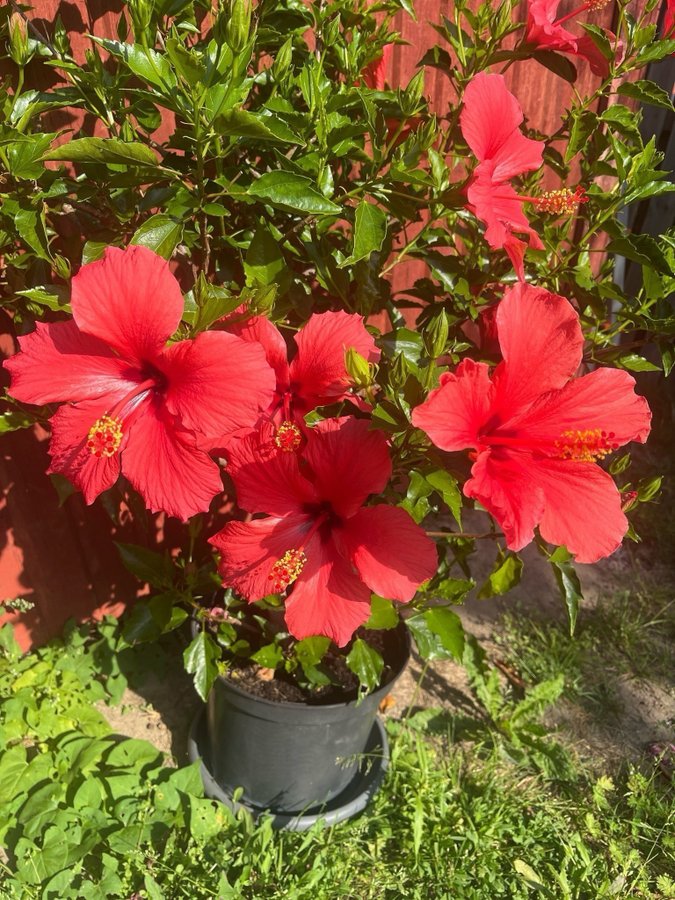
(561, 202)
(595, 5)
(288, 437)
(585, 446)
(286, 570)
(105, 436)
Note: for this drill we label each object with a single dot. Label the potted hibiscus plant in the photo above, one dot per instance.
(248, 347)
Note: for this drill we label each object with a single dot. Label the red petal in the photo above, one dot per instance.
(585, 47)
(164, 464)
(500, 207)
(583, 509)
(267, 479)
(69, 453)
(129, 299)
(490, 123)
(542, 30)
(260, 330)
(328, 598)
(541, 342)
(375, 73)
(318, 372)
(505, 484)
(575, 504)
(349, 462)
(59, 362)
(391, 553)
(216, 383)
(248, 550)
(454, 413)
(603, 400)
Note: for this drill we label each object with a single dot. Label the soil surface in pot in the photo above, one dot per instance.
(277, 685)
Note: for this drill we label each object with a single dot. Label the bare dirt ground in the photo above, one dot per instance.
(642, 709)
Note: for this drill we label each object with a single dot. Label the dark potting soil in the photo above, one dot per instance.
(281, 686)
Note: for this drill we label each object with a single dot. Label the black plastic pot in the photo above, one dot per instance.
(291, 758)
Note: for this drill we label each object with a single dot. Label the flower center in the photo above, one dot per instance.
(285, 570)
(585, 446)
(105, 436)
(288, 437)
(560, 202)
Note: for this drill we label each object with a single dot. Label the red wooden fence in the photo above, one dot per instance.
(62, 558)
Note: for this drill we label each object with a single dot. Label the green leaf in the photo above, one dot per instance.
(557, 64)
(311, 650)
(448, 626)
(293, 193)
(146, 565)
(366, 663)
(583, 126)
(383, 614)
(642, 249)
(370, 228)
(505, 575)
(53, 296)
(653, 52)
(160, 233)
(452, 589)
(186, 62)
(242, 123)
(92, 251)
(600, 39)
(105, 150)
(264, 262)
(14, 420)
(269, 656)
(446, 485)
(24, 157)
(142, 61)
(416, 500)
(31, 226)
(201, 661)
(568, 583)
(429, 643)
(646, 92)
(636, 363)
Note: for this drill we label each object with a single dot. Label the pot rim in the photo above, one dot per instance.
(297, 704)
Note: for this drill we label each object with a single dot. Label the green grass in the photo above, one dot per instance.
(490, 807)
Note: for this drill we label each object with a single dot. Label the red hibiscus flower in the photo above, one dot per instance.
(490, 124)
(545, 32)
(317, 535)
(317, 374)
(133, 404)
(537, 431)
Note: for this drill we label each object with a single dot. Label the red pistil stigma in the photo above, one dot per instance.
(585, 446)
(286, 570)
(628, 500)
(288, 437)
(104, 437)
(561, 202)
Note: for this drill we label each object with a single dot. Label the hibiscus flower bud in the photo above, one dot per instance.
(238, 25)
(18, 40)
(436, 335)
(283, 60)
(141, 16)
(358, 368)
